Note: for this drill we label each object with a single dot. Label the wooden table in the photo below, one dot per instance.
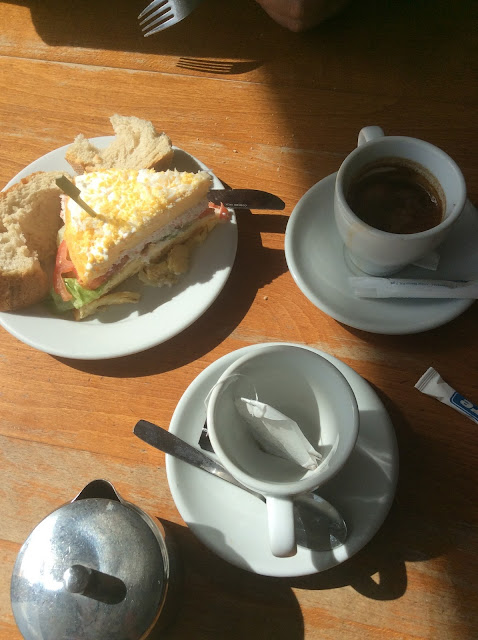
(278, 111)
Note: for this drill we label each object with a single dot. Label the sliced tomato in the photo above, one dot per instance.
(97, 282)
(94, 284)
(63, 266)
(221, 210)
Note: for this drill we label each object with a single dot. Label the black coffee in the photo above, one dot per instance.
(397, 196)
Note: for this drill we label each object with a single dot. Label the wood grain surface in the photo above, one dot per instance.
(273, 110)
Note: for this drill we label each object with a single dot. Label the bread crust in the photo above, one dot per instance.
(23, 289)
(137, 145)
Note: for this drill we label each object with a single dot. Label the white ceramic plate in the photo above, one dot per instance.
(160, 314)
(315, 256)
(233, 523)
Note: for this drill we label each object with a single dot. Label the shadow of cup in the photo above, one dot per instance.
(219, 600)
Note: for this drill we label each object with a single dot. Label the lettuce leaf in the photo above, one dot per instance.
(81, 296)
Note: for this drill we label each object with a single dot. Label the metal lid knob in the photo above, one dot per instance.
(76, 578)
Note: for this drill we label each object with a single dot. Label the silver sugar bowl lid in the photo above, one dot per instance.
(96, 568)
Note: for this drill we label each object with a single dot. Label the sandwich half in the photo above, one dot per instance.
(143, 221)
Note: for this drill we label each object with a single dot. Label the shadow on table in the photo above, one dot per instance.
(221, 601)
(427, 520)
(101, 24)
(406, 51)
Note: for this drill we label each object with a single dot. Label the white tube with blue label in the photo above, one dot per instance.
(433, 385)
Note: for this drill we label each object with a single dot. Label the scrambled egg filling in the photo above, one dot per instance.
(124, 201)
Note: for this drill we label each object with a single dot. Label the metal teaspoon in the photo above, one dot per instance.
(319, 526)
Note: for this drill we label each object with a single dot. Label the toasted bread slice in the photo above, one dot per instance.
(29, 223)
(137, 145)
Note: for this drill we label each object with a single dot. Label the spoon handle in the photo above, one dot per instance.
(169, 443)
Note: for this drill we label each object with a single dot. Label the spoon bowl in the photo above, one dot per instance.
(318, 524)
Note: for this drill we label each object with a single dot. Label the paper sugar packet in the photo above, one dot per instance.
(432, 384)
(277, 434)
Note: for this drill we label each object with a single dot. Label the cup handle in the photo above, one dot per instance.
(280, 520)
(369, 133)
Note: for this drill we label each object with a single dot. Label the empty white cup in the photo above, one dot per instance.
(308, 389)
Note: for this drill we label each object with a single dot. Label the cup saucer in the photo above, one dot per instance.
(316, 260)
(233, 523)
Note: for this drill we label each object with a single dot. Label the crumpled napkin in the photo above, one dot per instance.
(277, 434)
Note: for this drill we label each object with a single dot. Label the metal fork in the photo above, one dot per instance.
(162, 14)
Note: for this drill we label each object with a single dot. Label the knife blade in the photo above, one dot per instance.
(246, 199)
(172, 445)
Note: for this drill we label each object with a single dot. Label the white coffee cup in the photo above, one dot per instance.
(381, 253)
(306, 388)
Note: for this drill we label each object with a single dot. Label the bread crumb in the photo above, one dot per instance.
(266, 297)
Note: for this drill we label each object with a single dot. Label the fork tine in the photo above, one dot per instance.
(161, 21)
(156, 14)
(152, 5)
(164, 25)
(168, 12)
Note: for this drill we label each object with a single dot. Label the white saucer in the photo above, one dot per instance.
(232, 523)
(161, 312)
(315, 256)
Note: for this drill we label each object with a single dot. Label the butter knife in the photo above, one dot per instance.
(246, 199)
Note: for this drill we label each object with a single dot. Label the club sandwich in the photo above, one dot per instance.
(137, 222)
